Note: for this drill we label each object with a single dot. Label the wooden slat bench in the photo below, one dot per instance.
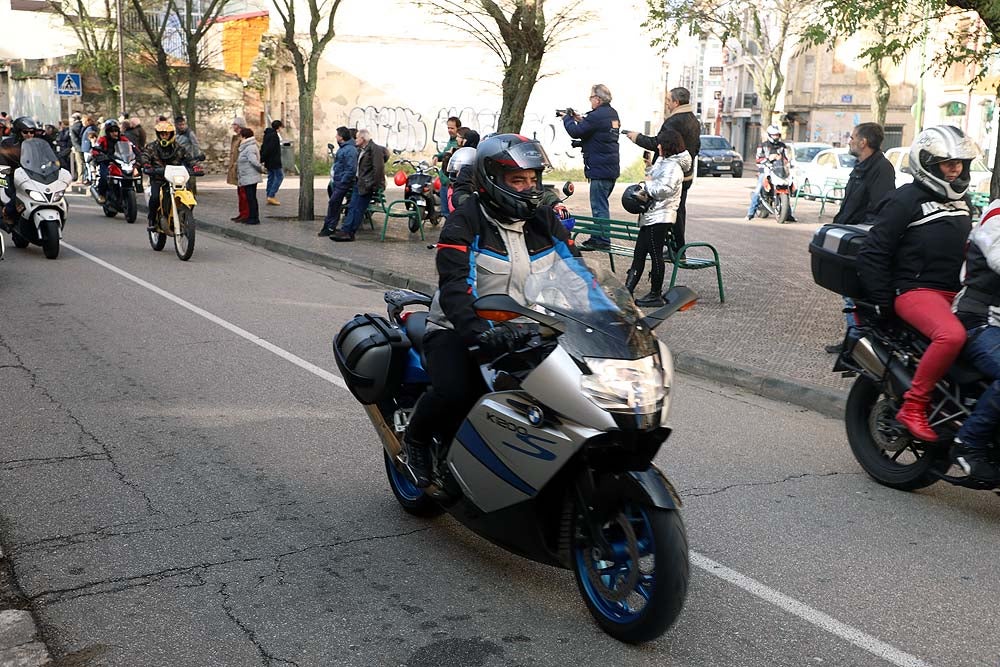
(622, 231)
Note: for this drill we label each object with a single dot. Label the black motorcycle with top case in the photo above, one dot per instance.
(882, 354)
(554, 462)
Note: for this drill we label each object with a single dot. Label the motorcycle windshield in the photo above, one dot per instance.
(39, 160)
(600, 316)
(778, 167)
(124, 151)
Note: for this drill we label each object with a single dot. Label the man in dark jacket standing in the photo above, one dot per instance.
(371, 178)
(343, 173)
(597, 133)
(270, 157)
(76, 137)
(871, 179)
(680, 118)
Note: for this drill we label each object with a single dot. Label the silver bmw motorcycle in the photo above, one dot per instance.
(554, 462)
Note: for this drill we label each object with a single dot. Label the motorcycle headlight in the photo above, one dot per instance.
(632, 386)
(57, 196)
(37, 196)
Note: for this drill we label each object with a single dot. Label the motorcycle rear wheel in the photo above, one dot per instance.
(157, 239)
(19, 241)
(109, 210)
(903, 468)
(410, 497)
(634, 600)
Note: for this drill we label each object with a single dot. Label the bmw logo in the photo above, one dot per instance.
(535, 415)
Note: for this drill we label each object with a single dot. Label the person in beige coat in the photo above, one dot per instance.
(231, 176)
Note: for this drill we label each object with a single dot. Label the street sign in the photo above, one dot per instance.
(68, 85)
(847, 99)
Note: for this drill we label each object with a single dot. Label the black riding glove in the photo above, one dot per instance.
(502, 338)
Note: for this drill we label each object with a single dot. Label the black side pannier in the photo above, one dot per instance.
(834, 250)
(371, 355)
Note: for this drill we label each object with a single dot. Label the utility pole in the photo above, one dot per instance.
(121, 60)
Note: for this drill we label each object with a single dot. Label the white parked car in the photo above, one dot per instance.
(835, 163)
(900, 159)
(803, 156)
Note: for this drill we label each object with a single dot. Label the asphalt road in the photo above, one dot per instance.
(176, 491)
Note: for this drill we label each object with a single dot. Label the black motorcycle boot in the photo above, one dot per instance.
(417, 462)
(631, 280)
(976, 462)
(651, 300)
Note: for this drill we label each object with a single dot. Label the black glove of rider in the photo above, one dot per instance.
(502, 338)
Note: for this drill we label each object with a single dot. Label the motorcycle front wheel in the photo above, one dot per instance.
(881, 446)
(50, 239)
(637, 591)
(131, 211)
(784, 207)
(184, 237)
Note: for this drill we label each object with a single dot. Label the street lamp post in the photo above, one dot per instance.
(121, 60)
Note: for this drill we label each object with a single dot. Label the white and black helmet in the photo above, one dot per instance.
(773, 132)
(463, 156)
(936, 145)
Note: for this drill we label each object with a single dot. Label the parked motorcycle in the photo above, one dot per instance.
(883, 355)
(554, 463)
(40, 186)
(776, 191)
(420, 190)
(123, 182)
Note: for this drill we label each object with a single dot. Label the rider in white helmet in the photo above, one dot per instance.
(771, 149)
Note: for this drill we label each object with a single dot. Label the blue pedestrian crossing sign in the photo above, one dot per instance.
(68, 84)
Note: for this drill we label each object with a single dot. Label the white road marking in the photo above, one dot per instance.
(229, 326)
(813, 616)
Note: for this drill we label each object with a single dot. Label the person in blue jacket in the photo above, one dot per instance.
(343, 173)
(597, 133)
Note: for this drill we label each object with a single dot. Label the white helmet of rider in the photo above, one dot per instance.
(936, 145)
(773, 132)
(462, 157)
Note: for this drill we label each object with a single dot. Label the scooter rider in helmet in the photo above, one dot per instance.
(490, 244)
(23, 128)
(772, 149)
(103, 152)
(157, 155)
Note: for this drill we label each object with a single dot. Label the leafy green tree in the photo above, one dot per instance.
(973, 39)
(760, 33)
(519, 34)
(306, 55)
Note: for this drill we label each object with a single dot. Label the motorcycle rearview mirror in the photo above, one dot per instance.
(568, 188)
(502, 308)
(678, 299)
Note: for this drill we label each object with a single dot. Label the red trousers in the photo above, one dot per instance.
(244, 204)
(929, 311)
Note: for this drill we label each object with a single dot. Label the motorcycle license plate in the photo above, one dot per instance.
(420, 201)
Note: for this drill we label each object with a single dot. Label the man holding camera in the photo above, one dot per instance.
(682, 119)
(597, 134)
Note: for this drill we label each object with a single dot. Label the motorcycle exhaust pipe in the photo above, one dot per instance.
(868, 357)
(385, 432)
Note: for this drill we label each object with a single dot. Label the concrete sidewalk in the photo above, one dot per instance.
(768, 337)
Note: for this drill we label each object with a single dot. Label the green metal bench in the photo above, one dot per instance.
(400, 208)
(832, 189)
(620, 231)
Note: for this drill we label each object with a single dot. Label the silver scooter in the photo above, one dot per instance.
(554, 462)
(40, 186)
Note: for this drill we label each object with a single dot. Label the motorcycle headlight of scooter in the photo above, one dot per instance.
(37, 196)
(630, 386)
(57, 196)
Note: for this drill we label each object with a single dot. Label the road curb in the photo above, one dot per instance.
(827, 402)
(20, 642)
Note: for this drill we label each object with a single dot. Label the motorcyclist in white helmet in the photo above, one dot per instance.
(771, 149)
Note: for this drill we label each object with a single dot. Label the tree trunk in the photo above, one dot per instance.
(518, 81)
(995, 179)
(307, 85)
(880, 92)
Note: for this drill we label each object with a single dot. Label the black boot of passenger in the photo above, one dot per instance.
(418, 462)
(631, 280)
(651, 300)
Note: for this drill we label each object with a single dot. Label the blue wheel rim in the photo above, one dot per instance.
(406, 489)
(613, 573)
